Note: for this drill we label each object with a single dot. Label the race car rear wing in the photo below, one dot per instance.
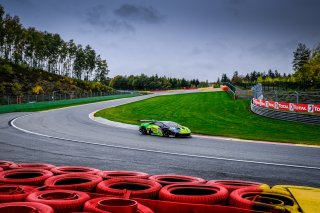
(147, 120)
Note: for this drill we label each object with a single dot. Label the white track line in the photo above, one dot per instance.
(158, 151)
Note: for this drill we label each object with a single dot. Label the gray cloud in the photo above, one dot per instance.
(23, 2)
(18, 3)
(94, 15)
(99, 16)
(275, 49)
(122, 19)
(138, 13)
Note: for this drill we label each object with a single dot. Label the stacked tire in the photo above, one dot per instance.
(59, 170)
(130, 187)
(74, 181)
(6, 164)
(115, 205)
(194, 193)
(25, 207)
(32, 166)
(60, 200)
(106, 175)
(45, 188)
(34, 177)
(263, 200)
(14, 192)
(232, 185)
(168, 179)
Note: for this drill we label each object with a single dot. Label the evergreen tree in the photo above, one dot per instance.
(224, 78)
(300, 58)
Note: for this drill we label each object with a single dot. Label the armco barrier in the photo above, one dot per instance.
(310, 118)
(230, 89)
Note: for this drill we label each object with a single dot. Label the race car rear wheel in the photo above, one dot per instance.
(143, 130)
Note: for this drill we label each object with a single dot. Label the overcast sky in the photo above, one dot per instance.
(180, 38)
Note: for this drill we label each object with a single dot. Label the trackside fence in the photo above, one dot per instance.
(236, 92)
(54, 96)
(292, 106)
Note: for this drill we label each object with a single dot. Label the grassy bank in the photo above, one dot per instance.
(39, 106)
(214, 114)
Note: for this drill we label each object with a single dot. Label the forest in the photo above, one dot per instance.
(31, 61)
(306, 75)
(47, 51)
(143, 82)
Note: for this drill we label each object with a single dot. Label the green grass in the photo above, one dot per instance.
(215, 114)
(46, 105)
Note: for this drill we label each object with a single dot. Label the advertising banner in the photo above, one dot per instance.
(285, 106)
(263, 103)
(316, 108)
(270, 104)
(301, 107)
(256, 102)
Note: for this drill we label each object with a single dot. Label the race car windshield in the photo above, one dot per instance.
(171, 124)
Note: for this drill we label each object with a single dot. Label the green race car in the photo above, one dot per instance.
(163, 128)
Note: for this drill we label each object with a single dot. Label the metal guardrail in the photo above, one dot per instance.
(231, 90)
(238, 93)
(231, 86)
(288, 116)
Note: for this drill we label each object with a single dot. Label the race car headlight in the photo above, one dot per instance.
(186, 129)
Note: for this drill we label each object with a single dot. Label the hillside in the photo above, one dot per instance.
(19, 80)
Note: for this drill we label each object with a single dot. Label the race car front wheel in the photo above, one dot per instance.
(165, 133)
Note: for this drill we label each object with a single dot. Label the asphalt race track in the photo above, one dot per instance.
(69, 137)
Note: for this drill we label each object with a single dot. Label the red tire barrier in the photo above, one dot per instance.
(72, 181)
(60, 200)
(261, 200)
(122, 174)
(5, 164)
(14, 193)
(59, 170)
(194, 193)
(1, 170)
(139, 188)
(25, 207)
(175, 179)
(32, 166)
(115, 205)
(232, 185)
(33, 177)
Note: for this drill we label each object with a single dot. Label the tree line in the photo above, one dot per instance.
(47, 51)
(143, 82)
(305, 64)
(30, 48)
